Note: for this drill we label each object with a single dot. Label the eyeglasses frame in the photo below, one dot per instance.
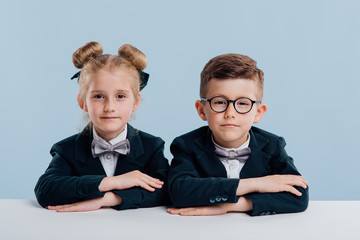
(230, 101)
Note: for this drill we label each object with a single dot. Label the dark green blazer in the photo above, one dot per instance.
(74, 175)
(198, 178)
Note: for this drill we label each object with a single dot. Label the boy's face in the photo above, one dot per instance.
(231, 129)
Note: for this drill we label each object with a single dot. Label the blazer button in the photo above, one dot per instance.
(262, 213)
(273, 213)
(212, 200)
(224, 197)
(267, 213)
(218, 198)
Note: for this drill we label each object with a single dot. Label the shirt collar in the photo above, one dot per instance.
(120, 137)
(244, 145)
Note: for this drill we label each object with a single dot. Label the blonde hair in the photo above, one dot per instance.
(90, 58)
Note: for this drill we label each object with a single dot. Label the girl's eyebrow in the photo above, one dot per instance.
(122, 90)
(117, 90)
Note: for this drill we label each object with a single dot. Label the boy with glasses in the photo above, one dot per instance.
(229, 165)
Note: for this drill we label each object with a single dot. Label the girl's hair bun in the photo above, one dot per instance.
(85, 53)
(133, 55)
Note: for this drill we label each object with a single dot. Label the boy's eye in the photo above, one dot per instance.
(121, 96)
(243, 102)
(219, 102)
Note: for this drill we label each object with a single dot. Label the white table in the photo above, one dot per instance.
(25, 219)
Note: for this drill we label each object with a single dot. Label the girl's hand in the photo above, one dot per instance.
(109, 199)
(272, 184)
(129, 180)
(84, 206)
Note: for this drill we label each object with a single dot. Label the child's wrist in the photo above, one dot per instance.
(110, 199)
(244, 204)
(106, 184)
(246, 186)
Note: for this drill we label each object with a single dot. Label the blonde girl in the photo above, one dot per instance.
(110, 163)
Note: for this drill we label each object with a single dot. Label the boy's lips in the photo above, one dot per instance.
(229, 125)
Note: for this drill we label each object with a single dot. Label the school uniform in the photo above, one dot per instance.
(198, 178)
(74, 174)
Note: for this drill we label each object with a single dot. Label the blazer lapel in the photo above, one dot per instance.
(207, 158)
(83, 154)
(255, 166)
(129, 163)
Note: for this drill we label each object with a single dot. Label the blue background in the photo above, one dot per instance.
(309, 51)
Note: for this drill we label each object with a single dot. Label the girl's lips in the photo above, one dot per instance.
(109, 117)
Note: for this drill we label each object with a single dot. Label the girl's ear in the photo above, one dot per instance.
(136, 102)
(200, 110)
(81, 103)
(262, 108)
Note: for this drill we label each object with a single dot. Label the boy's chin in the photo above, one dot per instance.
(230, 140)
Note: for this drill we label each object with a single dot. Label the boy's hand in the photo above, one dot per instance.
(218, 209)
(272, 184)
(128, 180)
(242, 205)
(109, 199)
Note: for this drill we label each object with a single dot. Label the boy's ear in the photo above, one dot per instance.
(262, 108)
(200, 110)
(136, 102)
(81, 103)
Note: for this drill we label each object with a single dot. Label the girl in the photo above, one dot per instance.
(108, 164)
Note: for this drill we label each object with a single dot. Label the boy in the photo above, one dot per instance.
(229, 165)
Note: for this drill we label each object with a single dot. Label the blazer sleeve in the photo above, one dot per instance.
(157, 166)
(189, 187)
(58, 186)
(283, 202)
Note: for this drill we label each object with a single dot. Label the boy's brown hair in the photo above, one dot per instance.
(231, 66)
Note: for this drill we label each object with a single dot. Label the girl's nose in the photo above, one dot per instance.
(109, 106)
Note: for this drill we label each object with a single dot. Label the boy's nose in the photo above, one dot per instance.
(230, 112)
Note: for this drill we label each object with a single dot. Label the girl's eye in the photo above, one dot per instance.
(121, 96)
(98, 96)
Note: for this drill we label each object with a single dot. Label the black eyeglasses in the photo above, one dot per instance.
(220, 104)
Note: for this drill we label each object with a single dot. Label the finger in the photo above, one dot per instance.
(173, 211)
(191, 212)
(299, 182)
(306, 182)
(146, 186)
(147, 178)
(58, 207)
(294, 191)
(69, 209)
(151, 179)
(155, 185)
(152, 183)
(302, 184)
(179, 210)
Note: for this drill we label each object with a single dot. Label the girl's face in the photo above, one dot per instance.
(110, 102)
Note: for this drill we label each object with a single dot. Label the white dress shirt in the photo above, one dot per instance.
(232, 166)
(109, 160)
